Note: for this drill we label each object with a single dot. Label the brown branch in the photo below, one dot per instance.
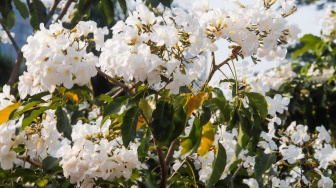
(15, 72)
(30, 160)
(64, 10)
(52, 10)
(170, 152)
(214, 68)
(164, 168)
(128, 89)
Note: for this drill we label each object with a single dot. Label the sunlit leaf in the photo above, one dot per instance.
(194, 138)
(146, 109)
(141, 122)
(73, 96)
(195, 102)
(42, 182)
(207, 139)
(5, 113)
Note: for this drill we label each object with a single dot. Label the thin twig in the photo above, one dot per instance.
(15, 72)
(235, 174)
(64, 10)
(214, 68)
(171, 151)
(52, 10)
(117, 93)
(30, 160)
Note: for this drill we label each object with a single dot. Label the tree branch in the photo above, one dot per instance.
(64, 10)
(171, 151)
(30, 160)
(214, 68)
(52, 10)
(122, 85)
(15, 72)
(164, 168)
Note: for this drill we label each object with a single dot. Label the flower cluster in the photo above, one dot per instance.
(58, 56)
(165, 50)
(94, 154)
(38, 141)
(328, 24)
(295, 147)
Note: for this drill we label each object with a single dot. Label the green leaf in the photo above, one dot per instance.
(106, 8)
(49, 162)
(128, 127)
(194, 138)
(259, 103)
(34, 114)
(310, 41)
(218, 166)
(162, 121)
(179, 123)
(5, 7)
(123, 6)
(146, 109)
(263, 163)
(63, 122)
(9, 21)
(26, 107)
(22, 8)
(114, 106)
(38, 14)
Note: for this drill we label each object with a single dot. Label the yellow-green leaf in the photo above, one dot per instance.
(72, 96)
(5, 113)
(42, 182)
(195, 102)
(208, 136)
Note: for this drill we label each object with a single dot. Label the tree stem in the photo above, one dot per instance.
(171, 151)
(52, 10)
(164, 168)
(214, 68)
(15, 72)
(64, 10)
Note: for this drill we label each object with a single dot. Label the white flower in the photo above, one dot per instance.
(276, 182)
(287, 6)
(292, 154)
(251, 182)
(269, 145)
(325, 182)
(278, 104)
(323, 134)
(300, 135)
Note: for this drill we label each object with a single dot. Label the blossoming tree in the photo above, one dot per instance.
(171, 128)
